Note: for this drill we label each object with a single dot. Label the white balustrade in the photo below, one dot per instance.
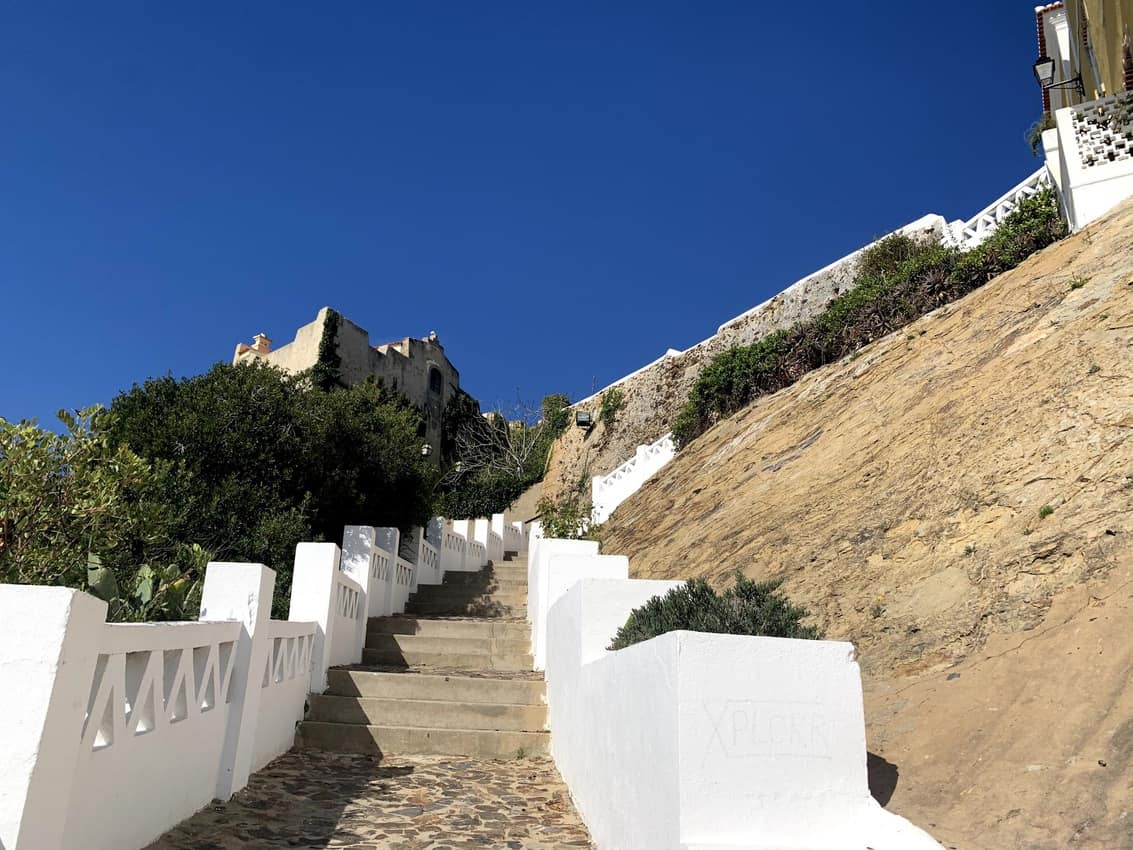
(969, 234)
(428, 560)
(454, 549)
(609, 491)
(115, 732)
(119, 731)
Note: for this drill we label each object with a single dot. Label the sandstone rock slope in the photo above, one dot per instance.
(955, 499)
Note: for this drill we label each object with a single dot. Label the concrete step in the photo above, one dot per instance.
(410, 740)
(432, 714)
(475, 608)
(422, 686)
(516, 581)
(423, 627)
(410, 645)
(397, 656)
(483, 600)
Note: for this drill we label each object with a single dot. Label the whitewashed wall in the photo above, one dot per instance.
(539, 585)
(694, 740)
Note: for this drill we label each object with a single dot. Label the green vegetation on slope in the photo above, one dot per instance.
(898, 280)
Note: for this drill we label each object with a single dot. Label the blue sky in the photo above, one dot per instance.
(561, 191)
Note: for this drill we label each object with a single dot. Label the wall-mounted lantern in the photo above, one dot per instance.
(426, 450)
(1044, 76)
(584, 419)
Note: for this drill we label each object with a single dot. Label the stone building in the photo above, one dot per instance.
(417, 368)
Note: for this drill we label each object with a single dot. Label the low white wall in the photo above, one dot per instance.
(700, 740)
(286, 678)
(539, 585)
(122, 730)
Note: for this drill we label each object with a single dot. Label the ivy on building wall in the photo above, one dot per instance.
(326, 372)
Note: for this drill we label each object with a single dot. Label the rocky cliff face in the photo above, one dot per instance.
(655, 394)
(956, 499)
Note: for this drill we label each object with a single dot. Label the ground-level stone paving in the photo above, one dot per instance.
(312, 799)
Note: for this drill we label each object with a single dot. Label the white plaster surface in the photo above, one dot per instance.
(746, 742)
(48, 649)
(538, 582)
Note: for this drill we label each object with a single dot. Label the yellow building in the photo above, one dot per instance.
(1090, 39)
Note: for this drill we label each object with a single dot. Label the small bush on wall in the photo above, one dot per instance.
(748, 608)
(613, 400)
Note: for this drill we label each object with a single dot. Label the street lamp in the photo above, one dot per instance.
(1044, 76)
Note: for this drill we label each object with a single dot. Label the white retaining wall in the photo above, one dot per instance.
(695, 740)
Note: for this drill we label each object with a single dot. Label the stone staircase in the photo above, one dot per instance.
(451, 676)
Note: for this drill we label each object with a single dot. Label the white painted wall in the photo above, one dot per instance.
(539, 584)
(694, 740)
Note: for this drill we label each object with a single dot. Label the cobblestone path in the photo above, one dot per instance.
(311, 799)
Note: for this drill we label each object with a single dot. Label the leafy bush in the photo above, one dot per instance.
(77, 511)
(749, 608)
(568, 518)
(556, 413)
(264, 459)
(481, 495)
(613, 400)
(898, 280)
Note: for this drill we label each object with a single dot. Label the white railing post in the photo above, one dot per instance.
(312, 599)
(461, 529)
(241, 592)
(481, 528)
(358, 544)
(389, 540)
(50, 638)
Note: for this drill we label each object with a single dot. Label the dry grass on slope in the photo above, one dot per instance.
(940, 486)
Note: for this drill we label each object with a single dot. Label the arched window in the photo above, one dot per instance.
(436, 382)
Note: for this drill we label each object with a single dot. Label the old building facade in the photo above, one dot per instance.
(417, 368)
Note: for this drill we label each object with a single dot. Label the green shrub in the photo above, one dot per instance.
(264, 460)
(613, 400)
(898, 280)
(568, 518)
(481, 495)
(748, 608)
(76, 510)
(556, 413)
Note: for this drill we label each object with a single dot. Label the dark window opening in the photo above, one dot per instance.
(435, 380)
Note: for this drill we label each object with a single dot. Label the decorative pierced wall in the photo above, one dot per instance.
(1104, 130)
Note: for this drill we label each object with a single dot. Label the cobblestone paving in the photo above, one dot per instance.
(312, 799)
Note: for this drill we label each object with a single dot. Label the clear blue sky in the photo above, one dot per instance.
(561, 191)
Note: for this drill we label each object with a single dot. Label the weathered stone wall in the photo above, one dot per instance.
(655, 394)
